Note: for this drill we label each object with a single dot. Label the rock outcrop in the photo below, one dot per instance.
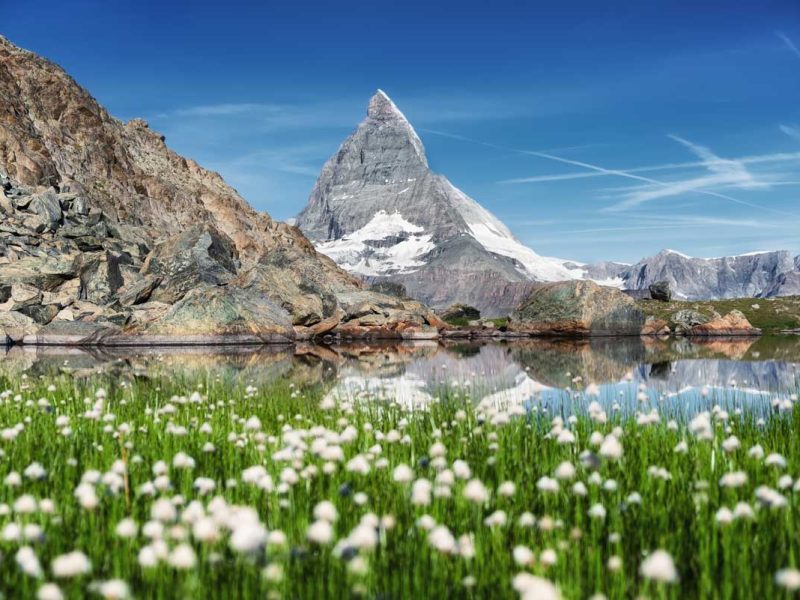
(732, 324)
(108, 236)
(577, 308)
(381, 213)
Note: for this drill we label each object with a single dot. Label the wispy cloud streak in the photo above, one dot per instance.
(789, 43)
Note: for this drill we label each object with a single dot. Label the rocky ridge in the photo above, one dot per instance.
(107, 236)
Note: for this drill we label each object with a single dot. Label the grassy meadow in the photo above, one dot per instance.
(210, 488)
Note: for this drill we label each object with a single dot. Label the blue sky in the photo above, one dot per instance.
(594, 129)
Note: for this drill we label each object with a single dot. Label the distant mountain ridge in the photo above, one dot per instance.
(381, 213)
(757, 274)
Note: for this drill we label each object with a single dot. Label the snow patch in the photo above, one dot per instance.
(354, 253)
(493, 235)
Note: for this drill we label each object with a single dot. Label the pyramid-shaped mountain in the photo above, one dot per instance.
(381, 213)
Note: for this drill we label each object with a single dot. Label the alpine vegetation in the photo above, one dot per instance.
(212, 487)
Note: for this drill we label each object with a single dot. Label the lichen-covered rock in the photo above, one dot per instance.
(219, 315)
(577, 308)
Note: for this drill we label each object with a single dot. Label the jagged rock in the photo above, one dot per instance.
(733, 323)
(201, 255)
(14, 326)
(460, 312)
(577, 308)
(138, 291)
(223, 314)
(48, 207)
(44, 273)
(41, 314)
(101, 277)
(660, 291)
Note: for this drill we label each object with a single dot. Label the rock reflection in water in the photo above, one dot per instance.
(416, 373)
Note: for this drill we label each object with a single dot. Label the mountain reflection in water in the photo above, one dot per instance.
(414, 374)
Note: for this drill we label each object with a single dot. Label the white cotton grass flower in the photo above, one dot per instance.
(49, 591)
(724, 516)
(320, 532)
(461, 470)
(183, 557)
(531, 587)
(611, 448)
(547, 485)
(27, 560)
(733, 479)
(597, 511)
(113, 589)
(25, 505)
(248, 536)
(126, 528)
(775, 460)
(788, 579)
(403, 474)
(523, 555)
(442, 539)
(326, 511)
(507, 489)
(743, 510)
(421, 492)
(659, 566)
(72, 564)
(548, 557)
(497, 519)
(476, 492)
(566, 470)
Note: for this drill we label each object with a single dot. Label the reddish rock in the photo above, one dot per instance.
(734, 323)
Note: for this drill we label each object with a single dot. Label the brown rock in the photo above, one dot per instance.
(655, 326)
(734, 323)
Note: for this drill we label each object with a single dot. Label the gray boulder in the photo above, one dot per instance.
(577, 308)
(203, 255)
(660, 291)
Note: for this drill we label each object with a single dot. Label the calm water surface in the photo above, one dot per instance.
(543, 375)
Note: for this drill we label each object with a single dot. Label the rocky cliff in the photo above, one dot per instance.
(380, 212)
(108, 235)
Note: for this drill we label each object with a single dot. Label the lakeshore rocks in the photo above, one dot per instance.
(109, 237)
(732, 324)
(577, 308)
(685, 320)
(655, 326)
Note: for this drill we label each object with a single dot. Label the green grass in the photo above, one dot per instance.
(772, 315)
(720, 561)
